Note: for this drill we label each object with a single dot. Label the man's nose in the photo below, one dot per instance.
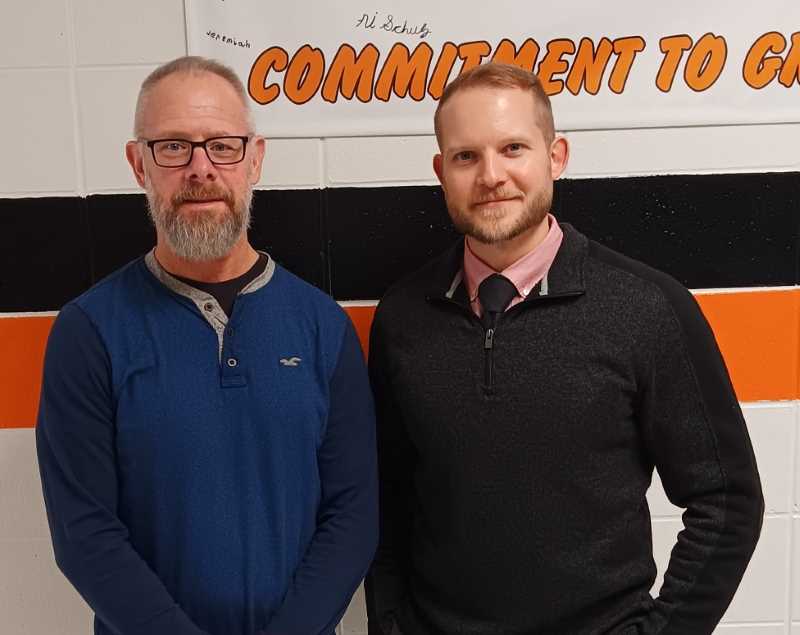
(492, 171)
(200, 166)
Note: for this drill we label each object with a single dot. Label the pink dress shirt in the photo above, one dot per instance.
(525, 273)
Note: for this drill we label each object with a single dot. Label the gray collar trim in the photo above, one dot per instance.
(454, 285)
(206, 303)
(188, 291)
(544, 288)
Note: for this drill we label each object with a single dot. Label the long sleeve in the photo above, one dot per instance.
(347, 523)
(695, 433)
(75, 445)
(387, 582)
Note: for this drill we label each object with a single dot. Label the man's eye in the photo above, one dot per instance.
(219, 146)
(173, 146)
(514, 147)
(464, 155)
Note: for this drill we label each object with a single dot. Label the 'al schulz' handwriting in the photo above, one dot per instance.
(393, 24)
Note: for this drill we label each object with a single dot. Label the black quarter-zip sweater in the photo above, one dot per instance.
(513, 501)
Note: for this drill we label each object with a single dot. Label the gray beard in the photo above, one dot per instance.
(202, 237)
(489, 231)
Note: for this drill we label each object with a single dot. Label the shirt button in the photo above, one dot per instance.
(208, 307)
(233, 362)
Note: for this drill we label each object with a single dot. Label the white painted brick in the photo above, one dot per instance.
(37, 120)
(797, 463)
(292, 163)
(762, 593)
(658, 501)
(35, 598)
(751, 629)
(354, 621)
(107, 100)
(772, 430)
(23, 516)
(664, 536)
(34, 33)
(796, 570)
(371, 161)
(121, 32)
(698, 150)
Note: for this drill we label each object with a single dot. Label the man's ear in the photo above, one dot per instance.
(133, 152)
(257, 158)
(437, 167)
(559, 156)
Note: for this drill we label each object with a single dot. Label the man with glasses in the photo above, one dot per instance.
(205, 432)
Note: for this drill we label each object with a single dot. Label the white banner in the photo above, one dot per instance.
(346, 68)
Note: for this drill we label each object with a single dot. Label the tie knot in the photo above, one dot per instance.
(496, 293)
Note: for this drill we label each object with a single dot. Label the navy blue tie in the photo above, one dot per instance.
(495, 293)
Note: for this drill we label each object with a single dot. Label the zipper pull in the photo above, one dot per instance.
(488, 341)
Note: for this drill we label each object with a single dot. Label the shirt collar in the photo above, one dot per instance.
(525, 273)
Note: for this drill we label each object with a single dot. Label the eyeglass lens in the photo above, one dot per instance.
(177, 152)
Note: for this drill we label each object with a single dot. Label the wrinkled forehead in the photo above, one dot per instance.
(196, 103)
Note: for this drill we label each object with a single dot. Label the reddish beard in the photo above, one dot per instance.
(492, 226)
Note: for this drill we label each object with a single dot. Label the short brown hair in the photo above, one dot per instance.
(190, 65)
(497, 75)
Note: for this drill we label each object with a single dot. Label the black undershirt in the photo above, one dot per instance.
(225, 292)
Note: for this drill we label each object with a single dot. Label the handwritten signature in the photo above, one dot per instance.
(221, 37)
(393, 24)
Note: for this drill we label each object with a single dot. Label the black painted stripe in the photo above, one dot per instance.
(728, 230)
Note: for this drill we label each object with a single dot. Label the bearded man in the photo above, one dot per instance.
(527, 382)
(206, 432)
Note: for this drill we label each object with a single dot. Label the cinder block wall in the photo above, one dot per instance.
(715, 206)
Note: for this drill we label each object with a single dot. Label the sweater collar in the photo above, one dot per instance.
(565, 277)
(194, 294)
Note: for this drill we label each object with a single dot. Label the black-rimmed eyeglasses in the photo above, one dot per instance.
(176, 153)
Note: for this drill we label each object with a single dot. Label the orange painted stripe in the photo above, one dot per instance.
(758, 333)
(362, 320)
(22, 342)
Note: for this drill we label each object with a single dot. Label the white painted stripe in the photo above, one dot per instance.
(725, 290)
(34, 314)
(666, 518)
(739, 624)
(762, 405)
(132, 190)
(43, 194)
(344, 303)
(386, 183)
